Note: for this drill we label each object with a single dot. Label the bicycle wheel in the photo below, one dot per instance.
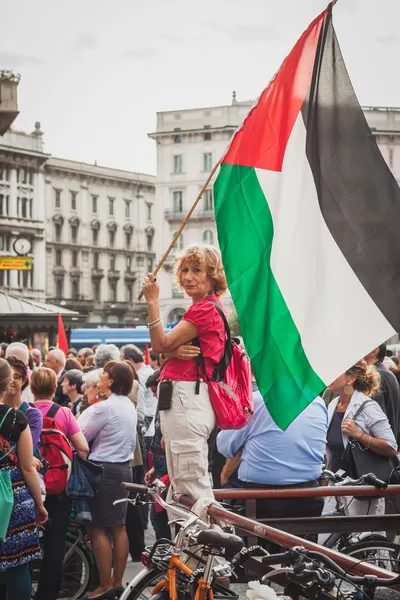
(385, 555)
(142, 585)
(141, 588)
(76, 574)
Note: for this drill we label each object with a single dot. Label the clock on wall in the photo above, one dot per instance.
(22, 246)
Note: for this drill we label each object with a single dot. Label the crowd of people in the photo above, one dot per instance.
(143, 421)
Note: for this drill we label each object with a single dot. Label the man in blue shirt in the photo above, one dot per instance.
(272, 458)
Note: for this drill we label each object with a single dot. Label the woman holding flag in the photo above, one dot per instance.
(186, 414)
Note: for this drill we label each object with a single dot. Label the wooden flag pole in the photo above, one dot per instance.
(185, 220)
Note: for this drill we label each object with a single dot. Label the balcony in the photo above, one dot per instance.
(97, 273)
(116, 307)
(130, 276)
(59, 270)
(199, 215)
(113, 275)
(81, 305)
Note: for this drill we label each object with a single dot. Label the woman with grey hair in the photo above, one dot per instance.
(91, 394)
(105, 353)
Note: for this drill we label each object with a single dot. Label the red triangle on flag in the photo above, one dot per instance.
(62, 338)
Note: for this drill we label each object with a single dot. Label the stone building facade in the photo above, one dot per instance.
(22, 209)
(100, 229)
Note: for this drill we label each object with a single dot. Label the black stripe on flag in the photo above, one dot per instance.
(358, 195)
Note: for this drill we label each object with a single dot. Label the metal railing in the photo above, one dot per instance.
(289, 540)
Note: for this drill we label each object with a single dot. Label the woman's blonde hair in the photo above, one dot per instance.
(368, 380)
(43, 383)
(5, 376)
(208, 257)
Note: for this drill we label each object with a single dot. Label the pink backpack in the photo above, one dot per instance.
(230, 387)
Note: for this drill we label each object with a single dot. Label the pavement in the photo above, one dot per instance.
(133, 568)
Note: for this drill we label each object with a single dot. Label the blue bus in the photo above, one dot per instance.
(86, 338)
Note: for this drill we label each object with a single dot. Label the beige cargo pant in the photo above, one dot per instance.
(186, 427)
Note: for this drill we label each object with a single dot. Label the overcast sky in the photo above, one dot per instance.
(95, 72)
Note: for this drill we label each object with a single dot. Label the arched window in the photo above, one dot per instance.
(208, 237)
(179, 244)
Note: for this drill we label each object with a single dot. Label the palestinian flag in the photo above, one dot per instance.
(308, 219)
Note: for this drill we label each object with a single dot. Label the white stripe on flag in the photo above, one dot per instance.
(338, 321)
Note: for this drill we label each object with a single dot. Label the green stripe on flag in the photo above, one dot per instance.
(284, 375)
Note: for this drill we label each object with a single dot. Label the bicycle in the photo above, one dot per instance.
(369, 547)
(80, 573)
(167, 575)
(311, 574)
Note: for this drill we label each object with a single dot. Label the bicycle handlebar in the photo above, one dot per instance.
(134, 487)
(298, 554)
(367, 479)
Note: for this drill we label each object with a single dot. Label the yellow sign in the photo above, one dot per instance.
(15, 263)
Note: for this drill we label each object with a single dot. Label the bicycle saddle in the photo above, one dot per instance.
(219, 539)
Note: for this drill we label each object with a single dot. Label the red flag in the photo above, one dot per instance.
(147, 355)
(62, 338)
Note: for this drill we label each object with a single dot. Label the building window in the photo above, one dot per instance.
(127, 208)
(58, 258)
(111, 238)
(208, 237)
(128, 263)
(207, 161)
(111, 206)
(2, 241)
(4, 200)
(59, 288)
(113, 292)
(96, 291)
(95, 236)
(112, 262)
(22, 175)
(208, 200)
(94, 203)
(75, 289)
(74, 233)
(177, 139)
(149, 238)
(57, 230)
(149, 207)
(178, 163)
(74, 258)
(96, 260)
(128, 240)
(129, 293)
(24, 208)
(57, 198)
(179, 243)
(4, 278)
(73, 199)
(149, 265)
(178, 201)
(207, 136)
(4, 172)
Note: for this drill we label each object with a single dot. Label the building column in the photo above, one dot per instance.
(38, 197)
(13, 193)
(39, 270)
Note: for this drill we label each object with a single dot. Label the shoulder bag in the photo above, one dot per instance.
(6, 492)
(362, 460)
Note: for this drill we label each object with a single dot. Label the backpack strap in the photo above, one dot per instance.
(5, 417)
(53, 410)
(223, 317)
